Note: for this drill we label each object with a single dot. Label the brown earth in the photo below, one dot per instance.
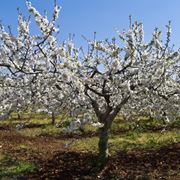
(55, 161)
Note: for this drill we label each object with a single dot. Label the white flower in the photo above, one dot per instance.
(98, 125)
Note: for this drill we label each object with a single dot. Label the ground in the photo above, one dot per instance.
(142, 149)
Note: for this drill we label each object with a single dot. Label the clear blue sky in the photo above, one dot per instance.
(83, 17)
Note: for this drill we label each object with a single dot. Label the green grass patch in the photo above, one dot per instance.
(86, 144)
(130, 141)
(148, 140)
(46, 129)
(10, 167)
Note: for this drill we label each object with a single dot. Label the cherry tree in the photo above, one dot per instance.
(14, 97)
(31, 59)
(139, 76)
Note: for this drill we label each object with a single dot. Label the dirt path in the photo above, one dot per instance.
(29, 148)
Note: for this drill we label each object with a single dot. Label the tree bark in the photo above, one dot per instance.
(19, 116)
(106, 118)
(103, 144)
(53, 120)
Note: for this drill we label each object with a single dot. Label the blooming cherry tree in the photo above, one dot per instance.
(139, 76)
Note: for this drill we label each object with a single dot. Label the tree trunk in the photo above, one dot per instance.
(19, 116)
(103, 146)
(53, 119)
(106, 118)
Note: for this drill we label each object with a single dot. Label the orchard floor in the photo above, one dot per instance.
(56, 157)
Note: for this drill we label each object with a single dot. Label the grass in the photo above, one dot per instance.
(147, 140)
(1, 156)
(129, 141)
(86, 145)
(47, 129)
(10, 167)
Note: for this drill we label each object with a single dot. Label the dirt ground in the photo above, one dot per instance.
(55, 161)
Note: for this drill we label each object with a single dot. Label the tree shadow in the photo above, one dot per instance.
(68, 165)
(5, 128)
(31, 126)
(138, 164)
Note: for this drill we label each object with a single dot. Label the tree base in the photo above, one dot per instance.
(102, 161)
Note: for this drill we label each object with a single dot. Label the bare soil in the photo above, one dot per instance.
(54, 161)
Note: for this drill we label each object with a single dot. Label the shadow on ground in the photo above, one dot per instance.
(163, 163)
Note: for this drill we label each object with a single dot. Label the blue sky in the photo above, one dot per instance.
(83, 17)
